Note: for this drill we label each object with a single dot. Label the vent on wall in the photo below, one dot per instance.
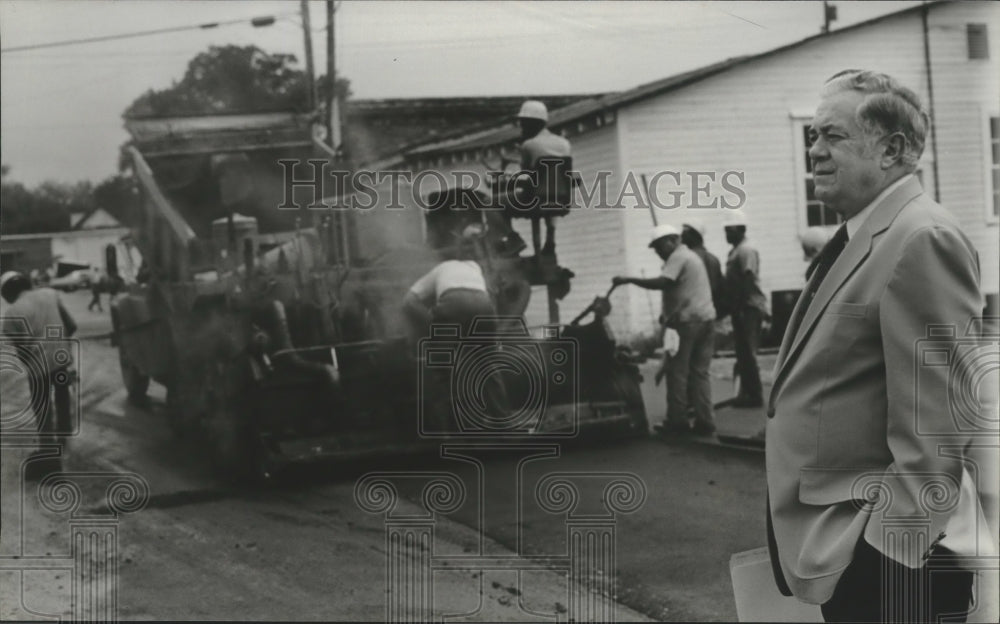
(979, 45)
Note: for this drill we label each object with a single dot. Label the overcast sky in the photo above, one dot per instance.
(61, 107)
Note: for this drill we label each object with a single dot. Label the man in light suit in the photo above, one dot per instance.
(873, 480)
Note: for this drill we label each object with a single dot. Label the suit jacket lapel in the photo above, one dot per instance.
(794, 322)
(858, 248)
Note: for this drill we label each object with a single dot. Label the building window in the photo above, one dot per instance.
(816, 212)
(995, 165)
(976, 37)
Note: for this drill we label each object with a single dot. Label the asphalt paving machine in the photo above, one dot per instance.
(279, 334)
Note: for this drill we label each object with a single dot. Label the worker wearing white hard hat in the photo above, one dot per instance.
(536, 140)
(661, 231)
(734, 218)
(533, 109)
(541, 148)
(12, 283)
(688, 312)
(748, 307)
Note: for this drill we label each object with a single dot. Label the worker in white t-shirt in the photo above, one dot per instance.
(39, 311)
(454, 291)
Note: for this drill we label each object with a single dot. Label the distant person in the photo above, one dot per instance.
(748, 307)
(693, 236)
(538, 143)
(688, 310)
(97, 286)
(454, 291)
(41, 309)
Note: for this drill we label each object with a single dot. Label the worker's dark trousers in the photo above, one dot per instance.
(476, 408)
(746, 335)
(462, 306)
(688, 381)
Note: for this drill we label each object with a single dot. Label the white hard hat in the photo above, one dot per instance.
(533, 109)
(734, 218)
(815, 237)
(664, 229)
(7, 276)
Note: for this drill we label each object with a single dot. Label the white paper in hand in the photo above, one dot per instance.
(671, 341)
(757, 596)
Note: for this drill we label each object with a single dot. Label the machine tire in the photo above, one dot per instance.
(136, 384)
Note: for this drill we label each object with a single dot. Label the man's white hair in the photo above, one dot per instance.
(888, 108)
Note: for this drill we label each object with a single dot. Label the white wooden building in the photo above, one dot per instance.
(748, 115)
(85, 244)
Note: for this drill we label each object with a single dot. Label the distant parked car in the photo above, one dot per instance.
(80, 278)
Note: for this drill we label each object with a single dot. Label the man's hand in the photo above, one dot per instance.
(619, 280)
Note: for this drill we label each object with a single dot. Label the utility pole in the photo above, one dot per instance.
(310, 73)
(339, 222)
(332, 101)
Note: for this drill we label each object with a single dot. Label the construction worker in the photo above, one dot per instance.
(41, 310)
(693, 235)
(539, 144)
(454, 291)
(537, 141)
(688, 311)
(748, 307)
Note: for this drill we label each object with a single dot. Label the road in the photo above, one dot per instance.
(301, 548)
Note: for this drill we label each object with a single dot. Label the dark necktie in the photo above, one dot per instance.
(817, 272)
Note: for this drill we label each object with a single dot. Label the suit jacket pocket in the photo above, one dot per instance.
(822, 485)
(841, 308)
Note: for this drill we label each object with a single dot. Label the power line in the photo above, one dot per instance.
(256, 22)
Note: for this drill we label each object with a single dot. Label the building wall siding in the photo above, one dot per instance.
(966, 93)
(743, 120)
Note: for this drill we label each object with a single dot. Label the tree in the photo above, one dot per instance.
(118, 195)
(233, 79)
(45, 209)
